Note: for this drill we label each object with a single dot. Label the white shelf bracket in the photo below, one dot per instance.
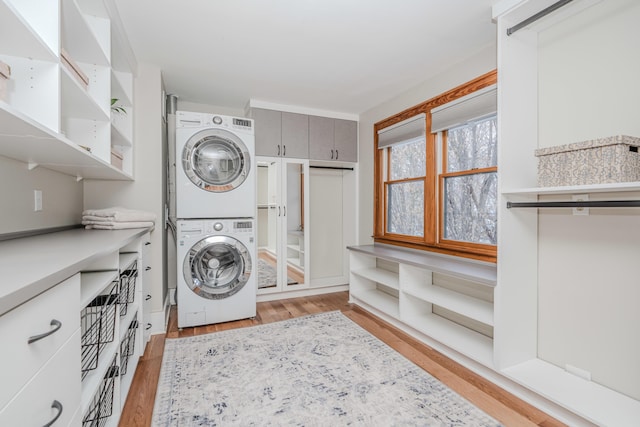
(79, 178)
(32, 165)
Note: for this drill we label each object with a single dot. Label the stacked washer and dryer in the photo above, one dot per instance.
(215, 202)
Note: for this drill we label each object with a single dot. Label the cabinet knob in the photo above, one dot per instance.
(58, 407)
(56, 326)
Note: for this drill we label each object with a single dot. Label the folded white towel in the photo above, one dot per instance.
(119, 225)
(120, 214)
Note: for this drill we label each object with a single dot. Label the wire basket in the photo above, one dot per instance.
(98, 325)
(127, 345)
(101, 407)
(128, 287)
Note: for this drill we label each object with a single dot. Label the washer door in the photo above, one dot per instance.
(217, 267)
(216, 160)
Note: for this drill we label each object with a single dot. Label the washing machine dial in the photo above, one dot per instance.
(218, 226)
(217, 120)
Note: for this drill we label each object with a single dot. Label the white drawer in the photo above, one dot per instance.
(58, 380)
(19, 360)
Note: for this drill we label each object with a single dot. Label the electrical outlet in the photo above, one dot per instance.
(580, 198)
(37, 200)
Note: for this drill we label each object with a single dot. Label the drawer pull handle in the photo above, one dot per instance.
(58, 406)
(147, 268)
(56, 325)
(148, 326)
(147, 298)
(147, 243)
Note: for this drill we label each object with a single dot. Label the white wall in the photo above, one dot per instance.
(213, 109)
(61, 198)
(589, 70)
(146, 192)
(468, 69)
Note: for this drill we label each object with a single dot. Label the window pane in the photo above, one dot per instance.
(473, 145)
(408, 160)
(470, 213)
(406, 208)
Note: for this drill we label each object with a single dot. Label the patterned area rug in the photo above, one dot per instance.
(318, 370)
(267, 275)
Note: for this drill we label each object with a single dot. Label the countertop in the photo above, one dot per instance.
(29, 266)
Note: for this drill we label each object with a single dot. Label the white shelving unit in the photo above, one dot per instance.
(49, 116)
(400, 283)
(118, 359)
(525, 93)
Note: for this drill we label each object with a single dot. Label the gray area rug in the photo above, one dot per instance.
(267, 275)
(319, 370)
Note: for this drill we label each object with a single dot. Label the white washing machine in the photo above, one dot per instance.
(217, 271)
(215, 171)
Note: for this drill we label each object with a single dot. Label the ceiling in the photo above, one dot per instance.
(336, 55)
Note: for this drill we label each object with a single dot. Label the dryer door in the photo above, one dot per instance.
(217, 267)
(216, 160)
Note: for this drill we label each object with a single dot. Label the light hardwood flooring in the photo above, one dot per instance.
(503, 406)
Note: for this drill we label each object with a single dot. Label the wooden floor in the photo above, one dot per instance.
(506, 408)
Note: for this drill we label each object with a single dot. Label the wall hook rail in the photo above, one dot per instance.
(577, 204)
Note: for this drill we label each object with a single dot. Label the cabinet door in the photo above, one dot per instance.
(268, 132)
(321, 130)
(325, 229)
(146, 288)
(346, 140)
(295, 135)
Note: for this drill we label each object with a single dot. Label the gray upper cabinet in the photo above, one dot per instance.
(346, 140)
(268, 131)
(295, 136)
(333, 139)
(281, 134)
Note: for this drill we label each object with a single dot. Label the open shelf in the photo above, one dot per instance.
(573, 189)
(470, 307)
(92, 283)
(21, 138)
(21, 39)
(385, 277)
(588, 399)
(379, 300)
(464, 340)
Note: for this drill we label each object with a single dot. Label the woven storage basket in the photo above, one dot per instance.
(599, 161)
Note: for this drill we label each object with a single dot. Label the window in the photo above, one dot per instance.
(436, 173)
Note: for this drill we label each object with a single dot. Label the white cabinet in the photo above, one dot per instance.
(283, 255)
(331, 222)
(57, 112)
(43, 364)
(554, 268)
(76, 343)
(445, 298)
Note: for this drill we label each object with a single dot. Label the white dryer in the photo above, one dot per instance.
(215, 171)
(216, 271)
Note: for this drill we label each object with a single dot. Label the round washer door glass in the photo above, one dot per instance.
(217, 267)
(216, 160)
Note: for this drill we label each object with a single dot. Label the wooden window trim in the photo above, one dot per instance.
(433, 215)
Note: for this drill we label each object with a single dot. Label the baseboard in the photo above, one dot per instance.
(302, 293)
(545, 405)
